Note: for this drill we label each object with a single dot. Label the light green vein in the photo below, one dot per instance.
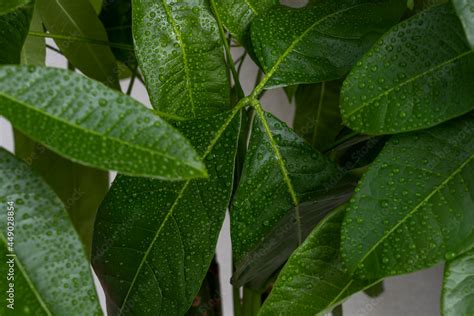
(415, 209)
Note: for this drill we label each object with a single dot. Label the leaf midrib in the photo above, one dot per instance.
(182, 46)
(216, 138)
(409, 80)
(74, 126)
(415, 209)
(28, 281)
(295, 42)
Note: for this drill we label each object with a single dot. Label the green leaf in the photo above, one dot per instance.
(320, 42)
(78, 18)
(89, 123)
(238, 14)
(419, 74)
(80, 188)
(414, 205)
(7, 6)
(34, 48)
(182, 58)
(117, 19)
(154, 240)
(465, 11)
(317, 117)
(276, 247)
(458, 284)
(314, 279)
(280, 171)
(14, 29)
(97, 5)
(52, 274)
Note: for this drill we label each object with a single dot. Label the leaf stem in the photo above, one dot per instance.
(229, 58)
(237, 301)
(81, 40)
(251, 302)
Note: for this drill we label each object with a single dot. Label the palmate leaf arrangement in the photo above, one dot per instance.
(376, 179)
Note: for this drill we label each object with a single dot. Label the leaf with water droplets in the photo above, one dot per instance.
(13, 31)
(465, 11)
(238, 14)
(280, 171)
(314, 279)
(52, 273)
(90, 123)
(317, 116)
(77, 18)
(154, 240)
(273, 251)
(415, 204)
(419, 74)
(458, 284)
(320, 42)
(181, 55)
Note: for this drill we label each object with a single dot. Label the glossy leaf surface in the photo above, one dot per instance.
(181, 55)
(415, 204)
(62, 284)
(317, 118)
(465, 10)
(89, 123)
(314, 279)
(238, 14)
(457, 296)
(277, 246)
(394, 89)
(78, 18)
(279, 172)
(14, 28)
(320, 42)
(154, 240)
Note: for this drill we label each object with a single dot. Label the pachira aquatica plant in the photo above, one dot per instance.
(375, 178)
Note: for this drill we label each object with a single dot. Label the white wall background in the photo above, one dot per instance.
(416, 294)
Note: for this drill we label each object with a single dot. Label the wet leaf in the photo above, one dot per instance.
(77, 18)
(414, 205)
(276, 247)
(279, 173)
(154, 240)
(181, 55)
(320, 42)
(52, 273)
(317, 118)
(89, 123)
(458, 284)
(13, 31)
(314, 280)
(465, 11)
(238, 14)
(419, 74)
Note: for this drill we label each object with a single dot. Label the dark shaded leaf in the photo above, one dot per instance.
(394, 89)
(314, 280)
(89, 123)
(277, 246)
(52, 273)
(154, 240)
(182, 58)
(317, 117)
